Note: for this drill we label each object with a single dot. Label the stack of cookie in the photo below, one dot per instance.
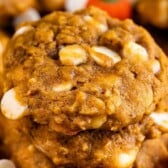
(81, 90)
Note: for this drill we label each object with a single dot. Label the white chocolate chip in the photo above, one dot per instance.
(73, 55)
(73, 5)
(22, 30)
(4, 163)
(63, 87)
(29, 15)
(155, 65)
(11, 107)
(126, 160)
(88, 18)
(104, 56)
(135, 51)
(102, 27)
(161, 119)
(108, 52)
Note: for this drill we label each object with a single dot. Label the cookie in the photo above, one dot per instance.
(89, 149)
(154, 13)
(82, 71)
(82, 89)
(34, 147)
(29, 15)
(17, 144)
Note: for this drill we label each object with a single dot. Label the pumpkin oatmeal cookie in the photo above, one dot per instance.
(82, 71)
(36, 146)
(84, 84)
(30, 145)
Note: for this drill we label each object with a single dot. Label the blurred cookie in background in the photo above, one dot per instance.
(13, 12)
(153, 15)
(30, 14)
(12, 8)
(153, 12)
(51, 5)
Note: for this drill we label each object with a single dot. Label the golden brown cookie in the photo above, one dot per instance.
(17, 144)
(82, 71)
(35, 146)
(80, 85)
(153, 12)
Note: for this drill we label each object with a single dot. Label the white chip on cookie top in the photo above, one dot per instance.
(11, 108)
(66, 86)
(73, 55)
(155, 66)
(22, 30)
(135, 51)
(108, 52)
(4, 163)
(104, 56)
(100, 26)
(160, 119)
